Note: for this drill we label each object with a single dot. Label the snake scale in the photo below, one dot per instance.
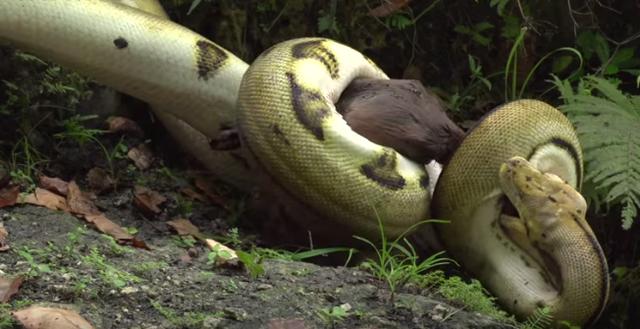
(524, 153)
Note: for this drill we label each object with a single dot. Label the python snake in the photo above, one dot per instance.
(283, 105)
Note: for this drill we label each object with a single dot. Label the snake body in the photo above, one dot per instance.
(283, 104)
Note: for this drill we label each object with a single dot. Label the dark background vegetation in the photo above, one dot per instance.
(475, 55)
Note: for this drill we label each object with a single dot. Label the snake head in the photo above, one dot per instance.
(540, 198)
(552, 229)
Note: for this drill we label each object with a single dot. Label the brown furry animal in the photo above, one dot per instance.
(403, 115)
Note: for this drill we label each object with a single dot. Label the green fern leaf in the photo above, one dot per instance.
(608, 125)
(540, 319)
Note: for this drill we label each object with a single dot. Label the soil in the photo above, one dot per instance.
(172, 285)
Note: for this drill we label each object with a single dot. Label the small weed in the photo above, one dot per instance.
(540, 319)
(187, 320)
(73, 239)
(75, 130)
(334, 315)
(472, 295)
(252, 262)
(298, 256)
(184, 206)
(36, 268)
(218, 253)
(397, 260)
(109, 274)
(185, 241)
(6, 319)
(230, 286)
(233, 237)
(114, 247)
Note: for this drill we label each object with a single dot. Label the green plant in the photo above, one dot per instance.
(114, 247)
(472, 295)
(184, 206)
(608, 125)
(187, 320)
(35, 267)
(218, 253)
(511, 91)
(75, 130)
(334, 315)
(184, 241)
(6, 319)
(303, 255)
(252, 262)
(397, 261)
(109, 274)
(540, 319)
(73, 238)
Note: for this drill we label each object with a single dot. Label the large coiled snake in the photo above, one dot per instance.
(546, 255)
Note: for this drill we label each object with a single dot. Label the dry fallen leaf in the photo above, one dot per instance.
(185, 227)
(207, 187)
(40, 317)
(54, 184)
(9, 195)
(193, 195)
(147, 200)
(99, 180)
(124, 125)
(105, 225)
(388, 8)
(9, 287)
(45, 198)
(79, 203)
(141, 155)
(4, 238)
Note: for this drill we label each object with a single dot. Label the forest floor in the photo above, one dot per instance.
(169, 280)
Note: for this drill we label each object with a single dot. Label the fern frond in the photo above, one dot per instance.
(608, 125)
(540, 319)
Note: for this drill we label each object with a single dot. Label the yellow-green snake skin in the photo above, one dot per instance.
(284, 108)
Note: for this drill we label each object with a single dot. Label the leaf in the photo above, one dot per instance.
(192, 194)
(106, 226)
(79, 203)
(209, 189)
(39, 317)
(9, 287)
(54, 184)
(142, 156)
(147, 200)
(185, 227)
(193, 6)
(561, 63)
(9, 195)
(388, 8)
(45, 198)
(99, 180)
(124, 125)
(608, 125)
